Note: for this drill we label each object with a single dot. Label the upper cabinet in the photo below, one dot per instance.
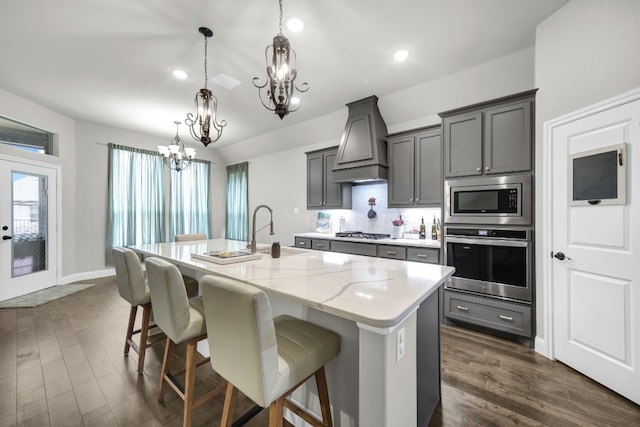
(322, 192)
(494, 137)
(415, 172)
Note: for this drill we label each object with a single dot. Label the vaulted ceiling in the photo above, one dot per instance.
(109, 62)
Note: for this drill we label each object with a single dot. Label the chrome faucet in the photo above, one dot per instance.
(254, 231)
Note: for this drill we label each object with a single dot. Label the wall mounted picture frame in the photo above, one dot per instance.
(598, 176)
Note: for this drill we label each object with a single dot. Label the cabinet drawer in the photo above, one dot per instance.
(393, 252)
(320, 244)
(423, 255)
(354, 248)
(303, 242)
(488, 312)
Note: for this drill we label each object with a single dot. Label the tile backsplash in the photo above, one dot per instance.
(356, 219)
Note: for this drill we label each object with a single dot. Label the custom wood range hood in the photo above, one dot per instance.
(362, 154)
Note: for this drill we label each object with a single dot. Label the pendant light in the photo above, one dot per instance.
(175, 156)
(204, 126)
(281, 96)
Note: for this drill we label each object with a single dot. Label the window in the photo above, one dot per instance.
(237, 215)
(189, 207)
(136, 198)
(24, 137)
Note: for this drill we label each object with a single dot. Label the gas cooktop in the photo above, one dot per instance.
(362, 235)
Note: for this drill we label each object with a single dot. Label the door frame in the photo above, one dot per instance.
(545, 346)
(58, 208)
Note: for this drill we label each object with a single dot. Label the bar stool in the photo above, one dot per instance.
(265, 358)
(132, 287)
(182, 320)
(189, 282)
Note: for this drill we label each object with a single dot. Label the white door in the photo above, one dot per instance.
(28, 224)
(595, 289)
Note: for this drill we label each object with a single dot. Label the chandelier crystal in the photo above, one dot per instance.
(283, 96)
(175, 156)
(204, 126)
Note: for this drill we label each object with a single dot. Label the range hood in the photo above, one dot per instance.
(362, 154)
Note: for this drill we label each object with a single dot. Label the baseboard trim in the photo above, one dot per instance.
(540, 346)
(88, 275)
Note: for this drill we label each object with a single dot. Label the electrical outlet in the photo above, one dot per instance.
(400, 339)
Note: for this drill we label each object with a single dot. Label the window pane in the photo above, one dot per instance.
(29, 243)
(24, 137)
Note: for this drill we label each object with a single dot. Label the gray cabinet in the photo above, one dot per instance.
(317, 244)
(488, 312)
(494, 137)
(429, 255)
(391, 251)
(415, 176)
(322, 192)
(354, 248)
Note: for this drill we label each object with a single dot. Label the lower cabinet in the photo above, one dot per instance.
(408, 253)
(491, 313)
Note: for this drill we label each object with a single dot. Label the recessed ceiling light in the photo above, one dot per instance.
(295, 24)
(401, 55)
(179, 74)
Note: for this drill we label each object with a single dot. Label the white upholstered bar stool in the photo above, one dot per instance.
(265, 358)
(182, 320)
(189, 282)
(132, 287)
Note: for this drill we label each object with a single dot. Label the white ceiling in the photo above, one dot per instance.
(109, 61)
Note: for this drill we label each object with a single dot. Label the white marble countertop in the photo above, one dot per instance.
(426, 243)
(376, 292)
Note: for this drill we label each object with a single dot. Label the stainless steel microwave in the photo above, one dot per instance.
(499, 200)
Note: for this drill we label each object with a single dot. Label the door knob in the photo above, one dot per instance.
(560, 256)
(6, 237)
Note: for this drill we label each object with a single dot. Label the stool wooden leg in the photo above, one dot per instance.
(276, 412)
(190, 380)
(144, 336)
(229, 405)
(323, 394)
(132, 321)
(168, 352)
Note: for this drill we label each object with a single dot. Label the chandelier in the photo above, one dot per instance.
(175, 156)
(281, 97)
(206, 105)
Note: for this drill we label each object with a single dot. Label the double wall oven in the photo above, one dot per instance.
(488, 236)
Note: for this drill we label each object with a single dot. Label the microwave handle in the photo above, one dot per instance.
(487, 242)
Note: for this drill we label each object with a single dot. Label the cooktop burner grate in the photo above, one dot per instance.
(362, 235)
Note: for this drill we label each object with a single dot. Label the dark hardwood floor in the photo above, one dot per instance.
(61, 364)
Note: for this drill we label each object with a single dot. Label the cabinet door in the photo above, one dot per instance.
(507, 138)
(315, 177)
(332, 191)
(428, 165)
(401, 170)
(462, 145)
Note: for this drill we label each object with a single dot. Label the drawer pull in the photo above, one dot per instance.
(508, 318)
(391, 252)
(421, 255)
(462, 308)
(321, 245)
(301, 243)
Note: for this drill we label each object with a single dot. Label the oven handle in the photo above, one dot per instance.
(488, 242)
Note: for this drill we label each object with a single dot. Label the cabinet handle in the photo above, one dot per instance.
(320, 245)
(411, 199)
(508, 318)
(462, 308)
(487, 168)
(478, 169)
(391, 252)
(301, 243)
(421, 255)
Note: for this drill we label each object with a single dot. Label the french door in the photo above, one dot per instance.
(28, 227)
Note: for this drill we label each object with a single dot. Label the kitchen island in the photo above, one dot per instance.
(386, 312)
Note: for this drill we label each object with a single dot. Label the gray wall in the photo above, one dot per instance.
(585, 53)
